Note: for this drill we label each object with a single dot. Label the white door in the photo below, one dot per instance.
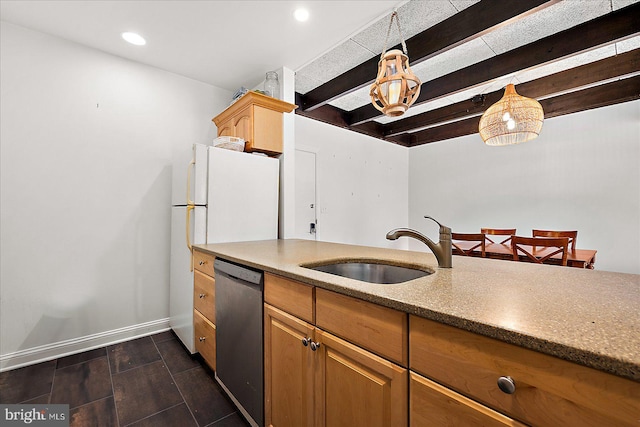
(305, 195)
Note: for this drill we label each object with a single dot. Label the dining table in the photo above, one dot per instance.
(579, 258)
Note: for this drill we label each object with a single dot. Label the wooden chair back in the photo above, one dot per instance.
(527, 245)
(468, 237)
(499, 232)
(571, 235)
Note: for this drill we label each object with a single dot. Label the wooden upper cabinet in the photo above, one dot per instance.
(257, 119)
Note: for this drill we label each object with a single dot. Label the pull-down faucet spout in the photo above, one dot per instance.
(442, 249)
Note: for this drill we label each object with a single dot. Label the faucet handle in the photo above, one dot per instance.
(444, 230)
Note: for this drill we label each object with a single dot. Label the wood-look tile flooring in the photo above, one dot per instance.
(150, 381)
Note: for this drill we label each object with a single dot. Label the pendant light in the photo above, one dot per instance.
(396, 87)
(511, 120)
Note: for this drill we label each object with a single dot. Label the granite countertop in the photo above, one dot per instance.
(584, 316)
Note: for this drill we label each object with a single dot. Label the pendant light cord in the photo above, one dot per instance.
(404, 46)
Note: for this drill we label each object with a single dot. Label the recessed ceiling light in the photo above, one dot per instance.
(301, 14)
(134, 38)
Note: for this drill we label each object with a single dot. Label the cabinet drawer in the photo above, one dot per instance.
(203, 262)
(434, 405)
(204, 295)
(243, 125)
(381, 330)
(548, 390)
(293, 297)
(205, 338)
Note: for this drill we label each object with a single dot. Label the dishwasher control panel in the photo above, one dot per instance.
(237, 271)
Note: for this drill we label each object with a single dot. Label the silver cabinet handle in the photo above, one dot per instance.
(306, 341)
(315, 345)
(507, 385)
(202, 295)
(202, 339)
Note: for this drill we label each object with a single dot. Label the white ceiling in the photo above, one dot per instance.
(233, 43)
(225, 43)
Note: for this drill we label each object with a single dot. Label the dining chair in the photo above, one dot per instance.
(499, 232)
(468, 237)
(527, 245)
(572, 235)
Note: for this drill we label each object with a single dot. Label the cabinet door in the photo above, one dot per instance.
(289, 379)
(243, 125)
(358, 388)
(434, 405)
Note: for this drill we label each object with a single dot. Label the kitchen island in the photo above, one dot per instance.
(586, 317)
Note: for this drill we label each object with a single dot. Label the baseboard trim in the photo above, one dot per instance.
(58, 349)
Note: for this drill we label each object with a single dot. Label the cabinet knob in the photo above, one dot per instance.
(507, 385)
(201, 263)
(202, 339)
(315, 345)
(201, 295)
(306, 341)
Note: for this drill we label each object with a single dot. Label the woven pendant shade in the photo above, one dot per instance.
(512, 120)
(396, 87)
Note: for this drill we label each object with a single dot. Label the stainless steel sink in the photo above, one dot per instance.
(372, 272)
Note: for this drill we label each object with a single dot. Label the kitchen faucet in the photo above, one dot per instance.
(442, 249)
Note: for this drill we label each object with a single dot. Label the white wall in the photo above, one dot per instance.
(87, 141)
(582, 173)
(361, 186)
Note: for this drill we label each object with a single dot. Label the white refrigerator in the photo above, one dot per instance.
(219, 196)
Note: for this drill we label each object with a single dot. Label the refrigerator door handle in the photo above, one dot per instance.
(189, 173)
(190, 208)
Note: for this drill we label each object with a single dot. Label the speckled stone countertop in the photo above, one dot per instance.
(588, 317)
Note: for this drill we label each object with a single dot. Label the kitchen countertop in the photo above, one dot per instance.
(584, 316)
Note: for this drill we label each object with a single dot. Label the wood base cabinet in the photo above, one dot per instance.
(534, 388)
(204, 304)
(314, 378)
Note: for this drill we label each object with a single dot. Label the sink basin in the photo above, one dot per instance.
(372, 272)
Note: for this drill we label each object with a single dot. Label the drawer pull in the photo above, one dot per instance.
(202, 339)
(315, 345)
(202, 295)
(507, 385)
(306, 341)
(202, 263)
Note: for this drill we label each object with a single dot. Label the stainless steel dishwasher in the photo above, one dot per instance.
(239, 343)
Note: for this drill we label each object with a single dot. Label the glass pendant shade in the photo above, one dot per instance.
(511, 120)
(396, 87)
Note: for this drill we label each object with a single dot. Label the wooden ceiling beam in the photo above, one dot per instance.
(623, 90)
(613, 26)
(468, 24)
(604, 69)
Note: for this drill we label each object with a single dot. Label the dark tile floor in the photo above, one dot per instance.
(150, 381)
